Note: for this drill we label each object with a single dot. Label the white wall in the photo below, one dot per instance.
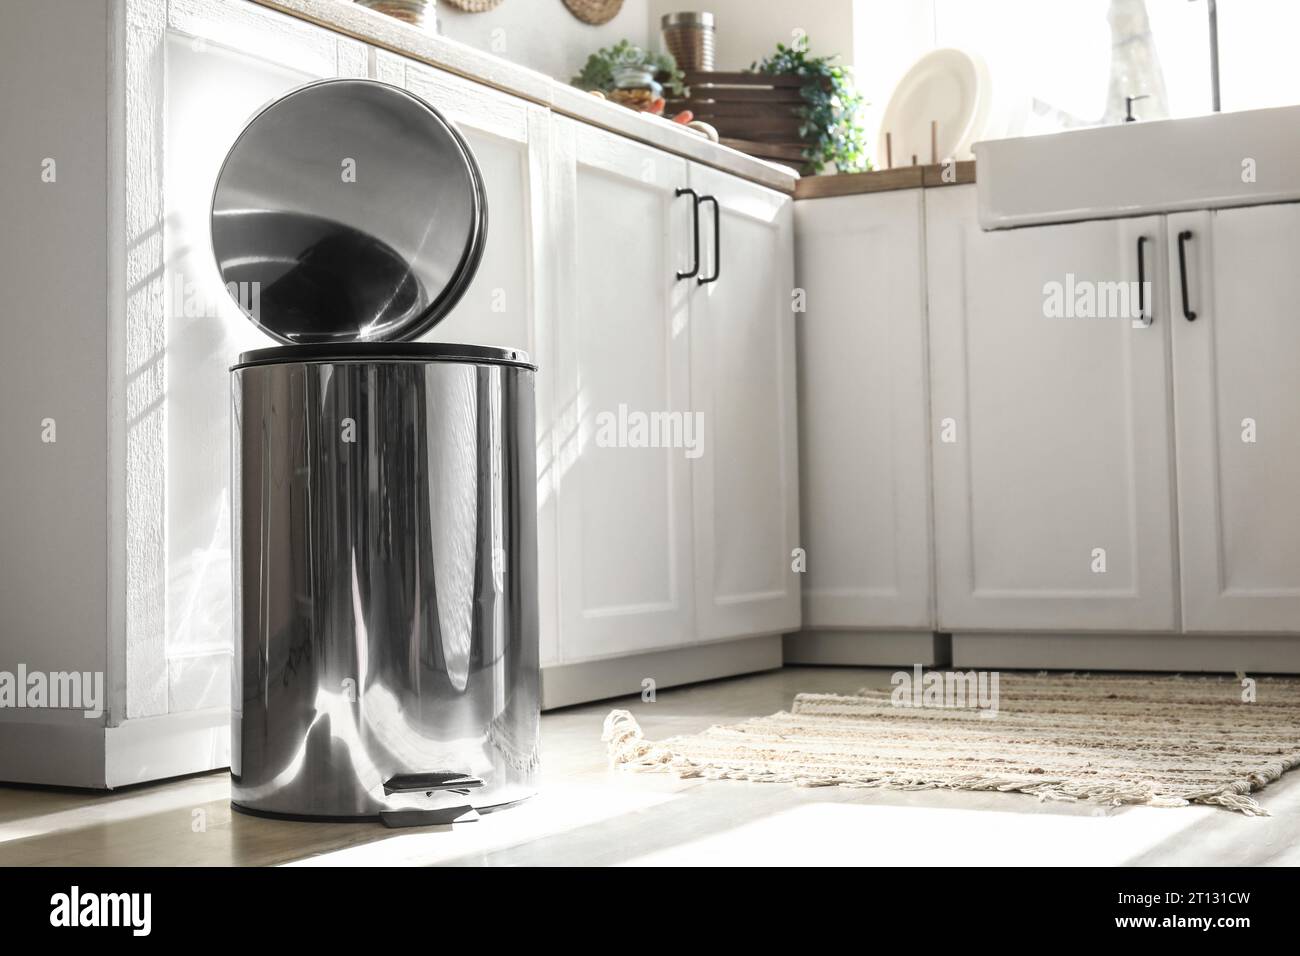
(888, 36)
(542, 34)
(1257, 42)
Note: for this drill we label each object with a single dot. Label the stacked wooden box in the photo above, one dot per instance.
(756, 113)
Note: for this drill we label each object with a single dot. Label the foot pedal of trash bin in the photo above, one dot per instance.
(427, 783)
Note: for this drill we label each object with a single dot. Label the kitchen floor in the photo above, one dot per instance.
(587, 813)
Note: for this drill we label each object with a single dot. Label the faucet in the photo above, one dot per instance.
(1128, 106)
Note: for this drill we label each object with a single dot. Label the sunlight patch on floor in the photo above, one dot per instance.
(116, 808)
(847, 834)
(557, 809)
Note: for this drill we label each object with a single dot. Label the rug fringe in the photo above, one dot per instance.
(1235, 801)
(630, 750)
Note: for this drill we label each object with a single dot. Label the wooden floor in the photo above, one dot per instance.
(589, 814)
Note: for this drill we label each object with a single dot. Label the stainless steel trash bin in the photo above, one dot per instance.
(384, 490)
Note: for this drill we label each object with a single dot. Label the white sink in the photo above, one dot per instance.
(1204, 162)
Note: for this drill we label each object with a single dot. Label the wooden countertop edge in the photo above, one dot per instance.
(377, 29)
(885, 180)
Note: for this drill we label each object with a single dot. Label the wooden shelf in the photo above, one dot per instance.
(883, 180)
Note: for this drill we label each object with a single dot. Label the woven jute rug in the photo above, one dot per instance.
(1166, 741)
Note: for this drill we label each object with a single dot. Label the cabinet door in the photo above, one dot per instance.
(622, 356)
(863, 427)
(1050, 435)
(744, 473)
(1237, 407)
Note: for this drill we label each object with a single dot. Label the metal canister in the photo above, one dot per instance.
(689, 38)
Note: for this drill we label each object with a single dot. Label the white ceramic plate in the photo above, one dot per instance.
(950, 86)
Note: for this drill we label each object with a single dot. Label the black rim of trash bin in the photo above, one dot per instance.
(385, 352)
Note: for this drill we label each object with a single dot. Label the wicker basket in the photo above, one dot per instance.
(594, 12)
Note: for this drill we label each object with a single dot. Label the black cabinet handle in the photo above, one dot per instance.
(695, 231)
(717, 240)
(1142, 285)
(1183, 236)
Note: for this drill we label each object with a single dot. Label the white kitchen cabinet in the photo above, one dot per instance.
(863, 396)
(622, 355)
(1051, 436)
(690, 541)
(1237, 410)
(745, 480)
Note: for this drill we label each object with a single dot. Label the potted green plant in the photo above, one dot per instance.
(630, 75)
(830, 128)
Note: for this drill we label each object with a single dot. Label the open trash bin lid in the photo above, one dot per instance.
(357, 210)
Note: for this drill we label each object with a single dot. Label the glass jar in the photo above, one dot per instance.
(636, 87)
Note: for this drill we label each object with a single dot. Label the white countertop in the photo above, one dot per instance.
(383, 31)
